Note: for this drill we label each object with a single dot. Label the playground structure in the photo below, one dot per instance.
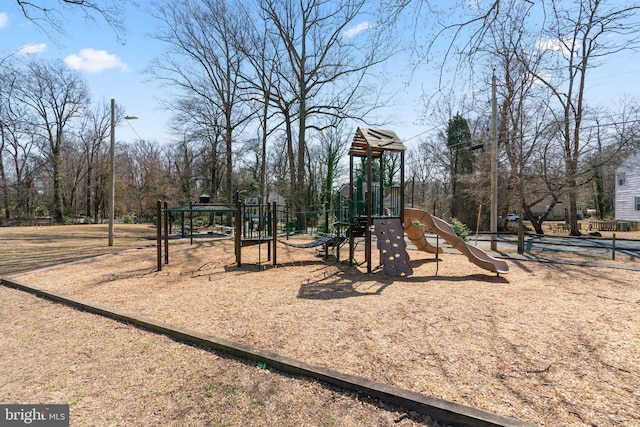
(373, 145)
(368, 209)
(390, 221)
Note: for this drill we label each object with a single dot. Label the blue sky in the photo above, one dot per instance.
(112, 69)
(115, 70)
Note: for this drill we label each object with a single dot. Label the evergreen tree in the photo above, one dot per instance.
(462, 162)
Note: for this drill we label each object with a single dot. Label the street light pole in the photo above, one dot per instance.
(112, 168)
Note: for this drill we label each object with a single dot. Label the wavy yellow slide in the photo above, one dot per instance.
(444, 230)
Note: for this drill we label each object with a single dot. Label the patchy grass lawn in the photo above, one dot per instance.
(29, 248)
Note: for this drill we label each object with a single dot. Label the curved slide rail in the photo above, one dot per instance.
(444, 230)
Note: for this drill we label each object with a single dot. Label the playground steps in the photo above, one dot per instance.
(393, 248)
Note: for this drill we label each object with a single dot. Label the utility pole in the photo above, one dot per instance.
(494, 164)
(112, 169)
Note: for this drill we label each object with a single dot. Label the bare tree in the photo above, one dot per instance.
(183, 162)
(204, 62)
(426, 166)
(74, 171)
(572, 38)
(579, 37)
(323, 72)
(522, 118)
(56, 95)
(430, 180)
(278, 166)
(263, 56)
(94, 130)
(20, 160)
(143, 173)
(49, 14)
(198, 124)
(6, 84)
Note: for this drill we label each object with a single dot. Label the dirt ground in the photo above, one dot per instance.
(112, 374)
(550, 344)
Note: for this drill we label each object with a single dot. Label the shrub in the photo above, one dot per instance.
(460, 228)
(201, 221)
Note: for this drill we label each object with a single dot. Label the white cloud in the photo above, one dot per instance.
(95, 61)
(354, 31)
(4, 20)
(557, 45)
(32, 49)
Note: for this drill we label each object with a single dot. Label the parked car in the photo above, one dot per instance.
(512, 217)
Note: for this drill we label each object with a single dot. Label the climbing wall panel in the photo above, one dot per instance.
(393, 248)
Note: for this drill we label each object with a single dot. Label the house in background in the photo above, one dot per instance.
(559, 212)
(627, 196)
(272, 196)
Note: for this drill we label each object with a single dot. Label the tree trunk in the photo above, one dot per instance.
(522, 204)
(89, 183)
(229, 167)
(572, 171)
(3, 177)
(299, 194)
(57, 189)
(292, 160)
(263, 153)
